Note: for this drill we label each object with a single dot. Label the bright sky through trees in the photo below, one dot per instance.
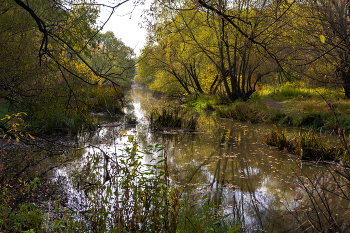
(125, 23)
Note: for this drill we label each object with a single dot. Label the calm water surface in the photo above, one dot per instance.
(226, 163)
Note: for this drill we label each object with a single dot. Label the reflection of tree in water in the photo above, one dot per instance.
(235, 173)
(226, 166)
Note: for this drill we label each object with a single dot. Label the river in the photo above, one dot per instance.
(225, 161)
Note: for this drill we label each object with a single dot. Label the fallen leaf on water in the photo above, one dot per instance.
(292, 186)
(298, 197)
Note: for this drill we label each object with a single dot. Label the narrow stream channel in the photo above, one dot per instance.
(226, 162)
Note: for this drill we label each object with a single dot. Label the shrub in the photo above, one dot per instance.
(131, 196)
(107, 99)
(26, 218)
(315, 120)
(276, 116)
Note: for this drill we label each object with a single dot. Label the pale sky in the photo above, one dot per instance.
(126, 26)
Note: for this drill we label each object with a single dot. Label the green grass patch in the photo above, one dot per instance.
(173, 118)
(204, 102)
(300, 91)
(292, 104)
(308, 146)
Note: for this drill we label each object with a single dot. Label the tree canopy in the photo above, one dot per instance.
(54, 56)
(204, 45)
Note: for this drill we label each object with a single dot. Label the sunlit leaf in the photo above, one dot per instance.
(56, 224)
(234, 229)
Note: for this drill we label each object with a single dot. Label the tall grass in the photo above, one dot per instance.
(308, 145)
(299, 90)
(173, 118)
(129, 196)
(121, 194)
(201, 214)
(241, 111)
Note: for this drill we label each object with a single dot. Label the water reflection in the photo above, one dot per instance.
(230, 165)
(226, 163)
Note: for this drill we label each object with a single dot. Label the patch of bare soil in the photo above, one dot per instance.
(274, 104)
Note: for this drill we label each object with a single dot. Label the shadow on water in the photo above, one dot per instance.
(231, 166)
(226, 163)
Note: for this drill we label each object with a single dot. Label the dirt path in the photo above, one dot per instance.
(274, 104)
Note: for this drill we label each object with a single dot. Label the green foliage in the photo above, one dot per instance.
(50, 115)
(28, 217)
(58, 119)
(24, 217)
(173, 118)
(307, 145)
(136, 197)
(106, 99)
(201, 215)
(112, 58)
(205, 102)
(241, 111)
(55, 89)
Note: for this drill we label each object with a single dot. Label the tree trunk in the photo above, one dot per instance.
(346, 85)
(344, 74)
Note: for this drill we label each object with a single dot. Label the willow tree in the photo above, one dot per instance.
(110, 57)
(156, 68)
(239, 38)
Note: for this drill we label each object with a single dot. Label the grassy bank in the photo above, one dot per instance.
(67, 114)
(291, 104)
(310, 146)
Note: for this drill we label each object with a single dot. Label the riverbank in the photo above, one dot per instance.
(286, 105)
(227, 177)
(313, 111)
